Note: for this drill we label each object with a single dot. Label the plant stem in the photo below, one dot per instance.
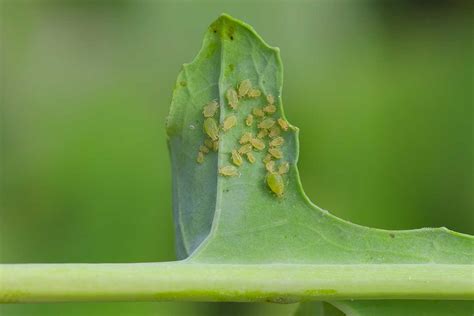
(186, 281)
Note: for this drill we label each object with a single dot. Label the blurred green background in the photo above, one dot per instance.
(382, 93)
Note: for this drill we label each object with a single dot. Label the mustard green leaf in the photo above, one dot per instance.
(244, 203)
(239, 219)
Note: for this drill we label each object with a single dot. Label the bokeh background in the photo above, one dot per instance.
(382, 93)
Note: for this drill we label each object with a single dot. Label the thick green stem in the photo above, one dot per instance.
(187, 281)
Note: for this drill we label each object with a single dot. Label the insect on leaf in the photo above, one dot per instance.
(266, 228)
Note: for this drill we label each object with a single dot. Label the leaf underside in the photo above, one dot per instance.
(239, 219)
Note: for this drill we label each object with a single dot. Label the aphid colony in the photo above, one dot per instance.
(268, 136)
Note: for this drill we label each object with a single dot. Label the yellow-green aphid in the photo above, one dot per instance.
(200, 157)
(246, 137)
(229, 122)
(283, 124)
(236, 158)
(258, 112)
(275, 183)
(254, 93)
(266, 123)
(267, 158)
(262, 133)
(274, 131)
(215, 145)
(232, 98)
(277, 141)
(208, 143)
(245, 149)
(210, 109)
(251, 157)
(275, 152)
(258, 144)
(229, 171)
(211, 129)
(270, 166)
(283, 168)
(271, 108)
(270, 99)
(244, 88)
(203, 149)
(249, 120)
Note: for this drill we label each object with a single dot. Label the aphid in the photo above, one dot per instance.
(245, 149)
(271, 108)
(274, 131)
(254, 93)
(210, 109)
(208, 143)
(266, 123)
(283, 168)
(275, 183)
(278, 141)
(262, 133)
(249, 120)
(232, 98)
(203, 149)
(267, 158)
(215, 145)
(283, 124)
(200, 157)
(244, 88)
(236, 158)
(270, 99)
(251, 157)
(275, 152)
(258, 112)
(270, 166)
(229, 171)
(258, 144)
(229, 122)
(246, 137)
(211, 129)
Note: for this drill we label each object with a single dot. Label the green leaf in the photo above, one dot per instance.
(238, 219)
(221, 219)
